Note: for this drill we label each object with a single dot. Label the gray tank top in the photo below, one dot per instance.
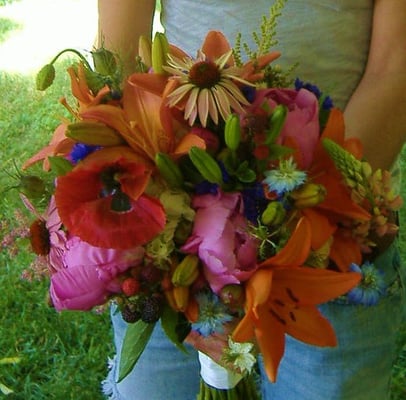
(329, 38)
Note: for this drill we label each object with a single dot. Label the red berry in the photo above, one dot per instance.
(130, 286)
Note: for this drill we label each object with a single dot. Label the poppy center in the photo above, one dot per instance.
(111, 186)
(204, 74)
(39, 238)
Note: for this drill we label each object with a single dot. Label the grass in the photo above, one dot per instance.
(63, 356)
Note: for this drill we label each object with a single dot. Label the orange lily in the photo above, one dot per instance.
(144, 123)
(282, 299)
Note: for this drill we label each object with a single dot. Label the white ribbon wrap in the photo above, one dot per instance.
(215, 375)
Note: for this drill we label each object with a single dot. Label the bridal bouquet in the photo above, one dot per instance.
(212, 194)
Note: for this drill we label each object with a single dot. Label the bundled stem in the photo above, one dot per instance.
(245, 389)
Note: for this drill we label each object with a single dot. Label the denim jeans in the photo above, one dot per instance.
(162, 372)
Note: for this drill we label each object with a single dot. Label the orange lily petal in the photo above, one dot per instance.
(153, 83)
(309, 286)
(345, 251)
(296, 250)
(215, 45)
(270, 335)
(311, 327)
(322, 228)
(187, 142)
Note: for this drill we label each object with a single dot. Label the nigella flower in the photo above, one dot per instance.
(207, 86)
(212, 314)
(371, 287)
(285, 178)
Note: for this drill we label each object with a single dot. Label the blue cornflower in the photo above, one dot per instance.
(371, 287)
(205, 187)
(299, 84)
(285, 178)
(327, 103)
(80, 151)
(212, 314)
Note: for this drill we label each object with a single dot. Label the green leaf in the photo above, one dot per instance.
(135, 340)
(170, 325)
(60, 165)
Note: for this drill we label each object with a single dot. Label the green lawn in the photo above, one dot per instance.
(63, 356)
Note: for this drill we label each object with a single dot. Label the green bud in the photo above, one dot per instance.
(206, 165)
(232, 132)
(169, 170)
(274, 213)
(160, 49)
(104, 62)
(45, 77)
(277, 121)
(94, 133)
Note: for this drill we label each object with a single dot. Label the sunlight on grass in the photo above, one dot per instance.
(46, 27)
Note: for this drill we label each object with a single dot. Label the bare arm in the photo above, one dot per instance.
(121, 22)
(376, 112)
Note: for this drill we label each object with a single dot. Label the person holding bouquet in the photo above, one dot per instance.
(355, 52)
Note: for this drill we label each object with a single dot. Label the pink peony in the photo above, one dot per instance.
(221, 240)
(302, 122)
(90, 275)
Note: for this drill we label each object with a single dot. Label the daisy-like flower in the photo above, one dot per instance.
(371, 287)
(212, 314)
(285, 178)
(206, 87)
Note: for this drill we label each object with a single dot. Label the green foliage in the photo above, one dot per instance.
(63, 355)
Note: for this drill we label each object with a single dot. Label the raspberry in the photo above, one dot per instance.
(130, 315)
(151, 309)
(130, 286)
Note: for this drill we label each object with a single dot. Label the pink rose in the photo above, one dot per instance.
(220, 239)
(90, 275)
(302, 122)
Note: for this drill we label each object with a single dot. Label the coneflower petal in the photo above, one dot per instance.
(203, 105)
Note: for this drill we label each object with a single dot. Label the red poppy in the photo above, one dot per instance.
(102, 200)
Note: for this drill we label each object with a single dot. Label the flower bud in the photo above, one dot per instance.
(277, 121)
(160, 48)
(169, 170)
(206, 165)
(94, 134)
(232, 295)
(144, 50)
(104, 62)
(232, 132)
(187, 271)
(273, 214)
(308, 195)
(45, 77)
(181, 297)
